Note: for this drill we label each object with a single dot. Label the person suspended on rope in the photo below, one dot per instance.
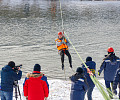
(110, 65)
(116, 82)
(92, 67)
(62, 45)
(79, 85)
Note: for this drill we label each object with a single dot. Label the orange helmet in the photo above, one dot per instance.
(60, 33)
(110, 49)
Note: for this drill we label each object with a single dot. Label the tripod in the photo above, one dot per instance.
(17, 90)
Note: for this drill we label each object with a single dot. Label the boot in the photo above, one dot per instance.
(110, 93)
(70, 66)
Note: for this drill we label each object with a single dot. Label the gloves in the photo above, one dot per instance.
(115, 92)
(99, 72)
(90, 72)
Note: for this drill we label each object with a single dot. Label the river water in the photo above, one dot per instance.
(28, 29)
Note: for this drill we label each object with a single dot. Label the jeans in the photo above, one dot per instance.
(89, 93)
(6, 95)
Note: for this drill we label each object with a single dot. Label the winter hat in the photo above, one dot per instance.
(37, 67)
(88, 59)
(11, 64)
(79, 70)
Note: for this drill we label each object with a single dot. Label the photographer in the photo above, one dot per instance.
(8, 76)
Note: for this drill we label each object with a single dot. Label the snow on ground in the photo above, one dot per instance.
(60, 90)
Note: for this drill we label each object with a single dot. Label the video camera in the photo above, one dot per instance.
(17, 67)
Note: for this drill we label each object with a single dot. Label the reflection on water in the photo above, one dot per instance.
(27, 9)
(29, 28)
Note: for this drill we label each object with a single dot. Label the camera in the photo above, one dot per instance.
(17, 67)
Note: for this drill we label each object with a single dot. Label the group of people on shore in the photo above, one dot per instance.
(81, 81)
(36, 87)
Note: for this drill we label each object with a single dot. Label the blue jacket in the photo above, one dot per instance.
(8, 76)
(78, 88)
(116, 79)
(44, 78)
(110, 64)
(92, 66)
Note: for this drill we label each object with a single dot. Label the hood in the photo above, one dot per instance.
(111, 57)
(6, 68)
(90, 63)
(76, 76)
(34, 75)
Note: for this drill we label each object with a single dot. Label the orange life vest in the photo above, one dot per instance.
(62, 46)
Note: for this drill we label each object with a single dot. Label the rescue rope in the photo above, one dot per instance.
(65, 74)
(96, 82)
(110, 92)
(63, 25)
(61, 16)
(63, 31)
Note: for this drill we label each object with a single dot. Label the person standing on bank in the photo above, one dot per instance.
(110, 65)
(36, 86)
(116, 82)
(62, 45)
(8, 76)
(36, 70)
(79, 85)
(92, 67)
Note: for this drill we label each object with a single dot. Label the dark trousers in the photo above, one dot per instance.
(119, 89)
(107, 84)
(89, 93)
(62, 53)
(110, 88)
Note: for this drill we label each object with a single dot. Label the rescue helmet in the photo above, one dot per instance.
(59, 33)
(110, 49)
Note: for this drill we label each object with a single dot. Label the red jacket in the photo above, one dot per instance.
(35, 88)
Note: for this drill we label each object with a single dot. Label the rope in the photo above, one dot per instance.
(92, 77)
(61, 16)
(63, 22)
(110, 92)
(63, 32)
(65, 74)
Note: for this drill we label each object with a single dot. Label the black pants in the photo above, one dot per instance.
(62, 53)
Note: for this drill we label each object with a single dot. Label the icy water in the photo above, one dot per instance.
(28, 29)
